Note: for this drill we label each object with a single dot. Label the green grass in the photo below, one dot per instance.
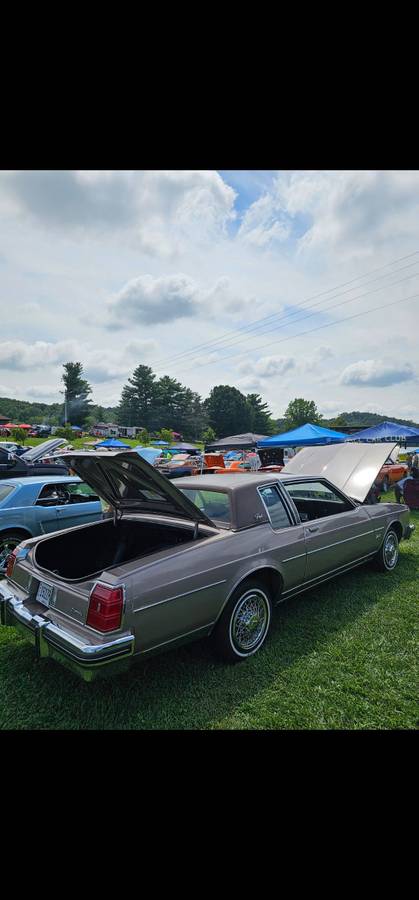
(343, 656)
(78, 443)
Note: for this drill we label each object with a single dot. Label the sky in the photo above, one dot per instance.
(283, 283)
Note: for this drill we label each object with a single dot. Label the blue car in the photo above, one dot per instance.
(39, 505)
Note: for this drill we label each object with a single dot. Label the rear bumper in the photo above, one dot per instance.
(54, 641)
(408, 531)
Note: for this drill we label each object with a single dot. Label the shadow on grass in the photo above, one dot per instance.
(187, 688)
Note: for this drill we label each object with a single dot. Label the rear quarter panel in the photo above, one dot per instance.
(185, 592)
(383, 515)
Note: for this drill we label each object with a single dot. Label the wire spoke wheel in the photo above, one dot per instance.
(391, 550)
(7, 544)
(250, 621)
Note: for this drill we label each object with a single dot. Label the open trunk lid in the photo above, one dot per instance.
(352, 467)
(44, 449)
(130, 484)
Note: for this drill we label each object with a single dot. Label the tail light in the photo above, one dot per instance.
(105, 608)
(10, 562)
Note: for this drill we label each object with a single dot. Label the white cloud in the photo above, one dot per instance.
(268, 366)
(358, 213)
(368, 372)
(149, 300)
(17, 355)
(161, 210)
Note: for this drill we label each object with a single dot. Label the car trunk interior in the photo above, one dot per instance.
(83, 552)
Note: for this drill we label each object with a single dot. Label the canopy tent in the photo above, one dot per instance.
(150, 454)
(184, 448)
(385, 431)
(23, 425)
(236, 442)
(113, 444)
(76, 428)
(160, 443)
(305, 436)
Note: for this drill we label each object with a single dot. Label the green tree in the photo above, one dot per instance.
(138, 399)
(18, 435)
(65, 432)
(171, 403)
(261, 421)
(143, 437)
(337, 421)
(299, 412)
(193, 418)
(228, 411)
(76, 393)
(165, 434)
(209, 435)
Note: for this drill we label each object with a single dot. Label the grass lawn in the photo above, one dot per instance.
(342, 656)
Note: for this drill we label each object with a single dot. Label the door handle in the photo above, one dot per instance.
(313, 527)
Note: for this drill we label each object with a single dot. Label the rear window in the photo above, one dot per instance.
(215, 504)
(5, 490)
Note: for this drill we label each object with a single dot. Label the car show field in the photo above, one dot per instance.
(343, 656)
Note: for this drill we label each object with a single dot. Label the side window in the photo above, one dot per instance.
(315, 500)
(274, 506)
(50, 495)
(80, 492)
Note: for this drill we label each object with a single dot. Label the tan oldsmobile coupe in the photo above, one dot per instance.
(208, 556)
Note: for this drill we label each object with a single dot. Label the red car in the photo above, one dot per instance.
(390, 473)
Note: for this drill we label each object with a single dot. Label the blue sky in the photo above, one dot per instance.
(120, 268)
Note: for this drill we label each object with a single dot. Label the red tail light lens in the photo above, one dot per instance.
(10, 562)
(105, 608)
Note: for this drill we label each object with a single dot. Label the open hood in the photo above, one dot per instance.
(352, 467)
(130, 484)
(44, 449)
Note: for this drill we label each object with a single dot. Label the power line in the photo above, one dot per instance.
(324, 309)
(308, 316)
(259, 322)
(317, 328)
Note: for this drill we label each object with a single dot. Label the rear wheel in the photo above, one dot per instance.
(245, 622)
(388, 554)
(8, 541)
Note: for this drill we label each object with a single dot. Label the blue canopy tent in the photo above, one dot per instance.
(160, 443)
(305, 436)
(150, 454)
(76, 428)
(113, 444)
(386, 431)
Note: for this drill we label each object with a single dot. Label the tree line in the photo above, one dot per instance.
(164, 403)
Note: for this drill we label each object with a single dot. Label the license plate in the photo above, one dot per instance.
(45, 592)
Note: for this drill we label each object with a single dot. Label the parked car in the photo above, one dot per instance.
(10, 447)
(390, 473)
(211, 557)
(31, 461)
(40, 505)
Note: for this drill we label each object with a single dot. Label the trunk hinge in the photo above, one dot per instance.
(195, 531)
(117, 516)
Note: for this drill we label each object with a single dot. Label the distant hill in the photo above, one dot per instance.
(367, 419)
(363, 419)
(48, 413)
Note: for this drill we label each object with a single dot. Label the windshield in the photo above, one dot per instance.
(215, 504)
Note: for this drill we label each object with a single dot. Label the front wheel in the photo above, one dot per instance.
(388, 554)
(245, 622)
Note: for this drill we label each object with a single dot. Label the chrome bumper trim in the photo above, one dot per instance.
(54, 641)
